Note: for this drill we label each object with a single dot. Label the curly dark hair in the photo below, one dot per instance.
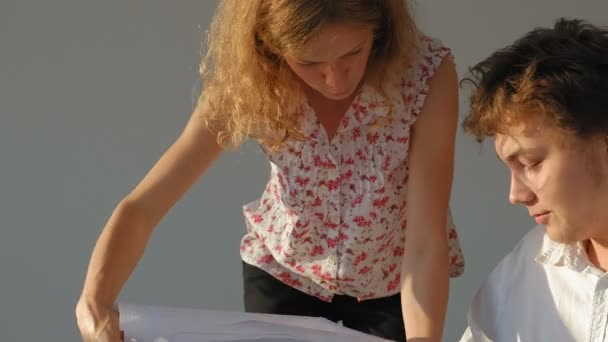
(558, 73)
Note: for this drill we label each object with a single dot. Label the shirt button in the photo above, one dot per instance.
(333, 173)
(334, 218)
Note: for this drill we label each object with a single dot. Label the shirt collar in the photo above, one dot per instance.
(368, 107)
(559, 254)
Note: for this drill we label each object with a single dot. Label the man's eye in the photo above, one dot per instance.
(532, 165)
(353, 53)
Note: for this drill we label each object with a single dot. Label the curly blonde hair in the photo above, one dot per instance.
(251, 91)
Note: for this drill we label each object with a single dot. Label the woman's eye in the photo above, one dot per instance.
(307, 64)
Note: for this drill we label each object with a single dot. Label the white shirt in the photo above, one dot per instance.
(541, 291)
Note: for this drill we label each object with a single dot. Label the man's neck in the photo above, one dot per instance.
(597, 252)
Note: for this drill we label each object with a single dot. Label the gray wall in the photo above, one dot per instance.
(92, 92)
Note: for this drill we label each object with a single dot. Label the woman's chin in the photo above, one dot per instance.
(338, 96)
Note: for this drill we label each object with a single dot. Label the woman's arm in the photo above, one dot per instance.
(124, 238)
(425, 274)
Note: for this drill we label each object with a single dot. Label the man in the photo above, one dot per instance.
(545, 101)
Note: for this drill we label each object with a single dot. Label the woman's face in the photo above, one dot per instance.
(333, 62)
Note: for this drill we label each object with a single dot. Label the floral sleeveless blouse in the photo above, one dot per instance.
(332, 217)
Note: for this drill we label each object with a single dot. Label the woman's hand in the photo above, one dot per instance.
(97, 322)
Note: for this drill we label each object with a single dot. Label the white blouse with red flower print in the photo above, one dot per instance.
(332, 218)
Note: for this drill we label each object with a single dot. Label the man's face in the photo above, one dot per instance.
(560, 178)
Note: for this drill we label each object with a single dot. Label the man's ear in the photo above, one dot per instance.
(604, 148)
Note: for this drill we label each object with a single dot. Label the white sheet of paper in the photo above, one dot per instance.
(143, 323)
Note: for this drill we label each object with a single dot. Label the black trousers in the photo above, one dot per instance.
(265, 294)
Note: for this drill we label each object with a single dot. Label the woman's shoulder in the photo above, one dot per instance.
(429, 43)
(430, 52)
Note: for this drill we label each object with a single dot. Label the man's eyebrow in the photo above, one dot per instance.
(516, 153)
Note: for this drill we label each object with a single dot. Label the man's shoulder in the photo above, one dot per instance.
(530, 245)
(522, 258)
(504, 290)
